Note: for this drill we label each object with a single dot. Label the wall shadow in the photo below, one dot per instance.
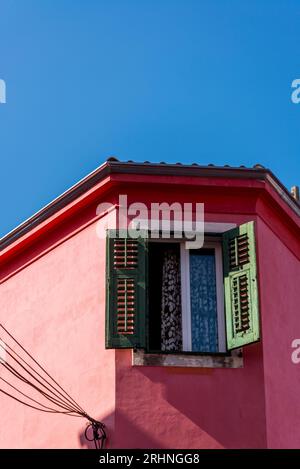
(194, 407)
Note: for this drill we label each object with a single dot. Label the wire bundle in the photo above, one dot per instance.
(52, 398)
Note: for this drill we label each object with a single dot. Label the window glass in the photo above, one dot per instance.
(204, 319)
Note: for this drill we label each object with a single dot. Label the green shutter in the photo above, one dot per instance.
(125, 291)
(240, 285)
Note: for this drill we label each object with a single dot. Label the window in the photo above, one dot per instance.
(162, 297)
(185, 304)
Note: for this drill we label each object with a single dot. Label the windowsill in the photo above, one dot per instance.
(234, 360)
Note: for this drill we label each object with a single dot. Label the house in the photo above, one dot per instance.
(170, 347)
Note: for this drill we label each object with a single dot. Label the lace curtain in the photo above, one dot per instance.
(171, 327)
(203, 303)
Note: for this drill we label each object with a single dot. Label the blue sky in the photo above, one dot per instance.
(190, 81)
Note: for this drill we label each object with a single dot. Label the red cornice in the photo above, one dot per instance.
(113, 173)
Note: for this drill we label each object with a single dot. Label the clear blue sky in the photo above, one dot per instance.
(190, 81)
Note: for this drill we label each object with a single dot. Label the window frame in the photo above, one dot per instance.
(213, 242)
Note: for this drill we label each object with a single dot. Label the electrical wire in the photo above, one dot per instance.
(25, 395)
(53, 393)
(21, 377)
(52, 398)
(33, 359)
(57, 399)
(17, 375)
(37, 408)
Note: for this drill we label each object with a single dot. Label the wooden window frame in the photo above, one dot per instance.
(232, 356)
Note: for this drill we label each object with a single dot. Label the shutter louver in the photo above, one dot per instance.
(239, 251)
(125, 253)
(240, 285)
(126, 291)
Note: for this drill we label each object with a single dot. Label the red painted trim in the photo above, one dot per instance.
(222, 186)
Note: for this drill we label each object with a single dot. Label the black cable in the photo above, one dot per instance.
(68, 400)
(25, 395)
(41, 391)
(60, 401)
(37, 408)
(99, 434)
(71, 407)
(17, 375)
(1, 325)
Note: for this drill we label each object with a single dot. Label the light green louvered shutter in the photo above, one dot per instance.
(240, 285)
(125, 291)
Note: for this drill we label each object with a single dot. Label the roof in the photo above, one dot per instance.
(114, 166)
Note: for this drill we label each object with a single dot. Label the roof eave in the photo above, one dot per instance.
(159, 169)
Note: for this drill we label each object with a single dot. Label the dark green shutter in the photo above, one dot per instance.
(126, 291)
(240, 285)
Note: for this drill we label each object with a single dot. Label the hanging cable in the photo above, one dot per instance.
(27, 397)
(17, 374)
(98, 434)
(22, 378)
(53, 393)
(33, 359)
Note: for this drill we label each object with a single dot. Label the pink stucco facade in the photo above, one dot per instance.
(52, 296)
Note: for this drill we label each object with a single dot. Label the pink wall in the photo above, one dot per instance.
(56, 307)
(280, 298)
(163, 407)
